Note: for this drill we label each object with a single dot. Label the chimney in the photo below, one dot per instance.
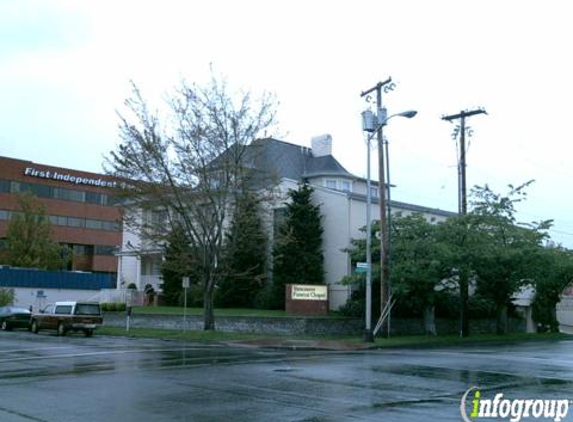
(321, 145)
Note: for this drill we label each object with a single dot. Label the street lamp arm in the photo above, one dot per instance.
(407, 114)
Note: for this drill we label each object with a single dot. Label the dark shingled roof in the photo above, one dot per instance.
(284, 160)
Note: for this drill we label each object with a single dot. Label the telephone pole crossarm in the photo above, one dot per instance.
(464, 114)
(376, 87)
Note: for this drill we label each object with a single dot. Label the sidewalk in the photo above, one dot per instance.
(290, 344)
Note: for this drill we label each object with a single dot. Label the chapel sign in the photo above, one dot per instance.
(306, 300)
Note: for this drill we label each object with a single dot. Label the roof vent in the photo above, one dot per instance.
(321, 145)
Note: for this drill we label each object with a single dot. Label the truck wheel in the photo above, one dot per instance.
(89, 332)
(5, 326)
(61, 329)
(34, 328)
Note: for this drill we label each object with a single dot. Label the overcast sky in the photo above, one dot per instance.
(65, 68)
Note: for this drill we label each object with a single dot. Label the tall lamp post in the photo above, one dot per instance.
(373, 126)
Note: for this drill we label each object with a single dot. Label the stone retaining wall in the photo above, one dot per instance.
(299, 325)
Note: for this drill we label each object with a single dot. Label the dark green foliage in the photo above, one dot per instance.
(28, 242)
(244, 256)
(555, 273)
(113, 307)
(497, 255)
(419, 266)
(179, 261)
(6, 296)
(297, 252)
(506, 254)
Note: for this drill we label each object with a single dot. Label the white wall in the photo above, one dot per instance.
(336, 219)
(565, 314)
(27, 297)
(343, 217)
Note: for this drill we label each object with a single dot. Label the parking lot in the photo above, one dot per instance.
(46, 378)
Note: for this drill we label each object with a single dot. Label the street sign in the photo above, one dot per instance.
(361, 267)
(186, 283)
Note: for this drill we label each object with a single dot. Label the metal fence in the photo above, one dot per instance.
(32, 278)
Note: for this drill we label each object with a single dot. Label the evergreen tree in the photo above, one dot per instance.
(180, 261)
(297, 252)
(244, 256)
(28, 242)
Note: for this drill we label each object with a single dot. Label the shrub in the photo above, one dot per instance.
(113, 307)
(6, 297)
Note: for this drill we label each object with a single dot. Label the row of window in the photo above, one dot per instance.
(346, 186)
(343, 185)
(90, 250)
(82, 223)
(83, 250)
(52, 192)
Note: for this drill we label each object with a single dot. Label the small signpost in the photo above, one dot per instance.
(361, 267)
(127, 317)
(186, 286)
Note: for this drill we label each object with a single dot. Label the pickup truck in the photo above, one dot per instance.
(68, 316)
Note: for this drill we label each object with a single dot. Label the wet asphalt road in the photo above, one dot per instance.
(45, 378)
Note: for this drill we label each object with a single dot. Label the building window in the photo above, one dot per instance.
(62, 220)
(76, 222)
(95, 198)
(345, 186)
(105, 250)
(14, 187)
(81, 250)
(4, 186)
(330, 183)
(374, 192)
(94, 224)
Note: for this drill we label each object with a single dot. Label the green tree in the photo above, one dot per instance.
(555, 274)
(419, 266)
(179, 261)
(28, 242)
(507, 253)
(244, 255)
(458, 239)
(355, 305)
(297, 252)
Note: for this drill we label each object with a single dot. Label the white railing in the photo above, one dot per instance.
(127, 296)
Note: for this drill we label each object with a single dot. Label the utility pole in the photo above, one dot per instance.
(384, 273)
(463, 209)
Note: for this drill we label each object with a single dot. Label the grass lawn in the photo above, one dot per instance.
(449, 340)
(176, 310)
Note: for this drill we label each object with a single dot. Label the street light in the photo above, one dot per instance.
(375, 128)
